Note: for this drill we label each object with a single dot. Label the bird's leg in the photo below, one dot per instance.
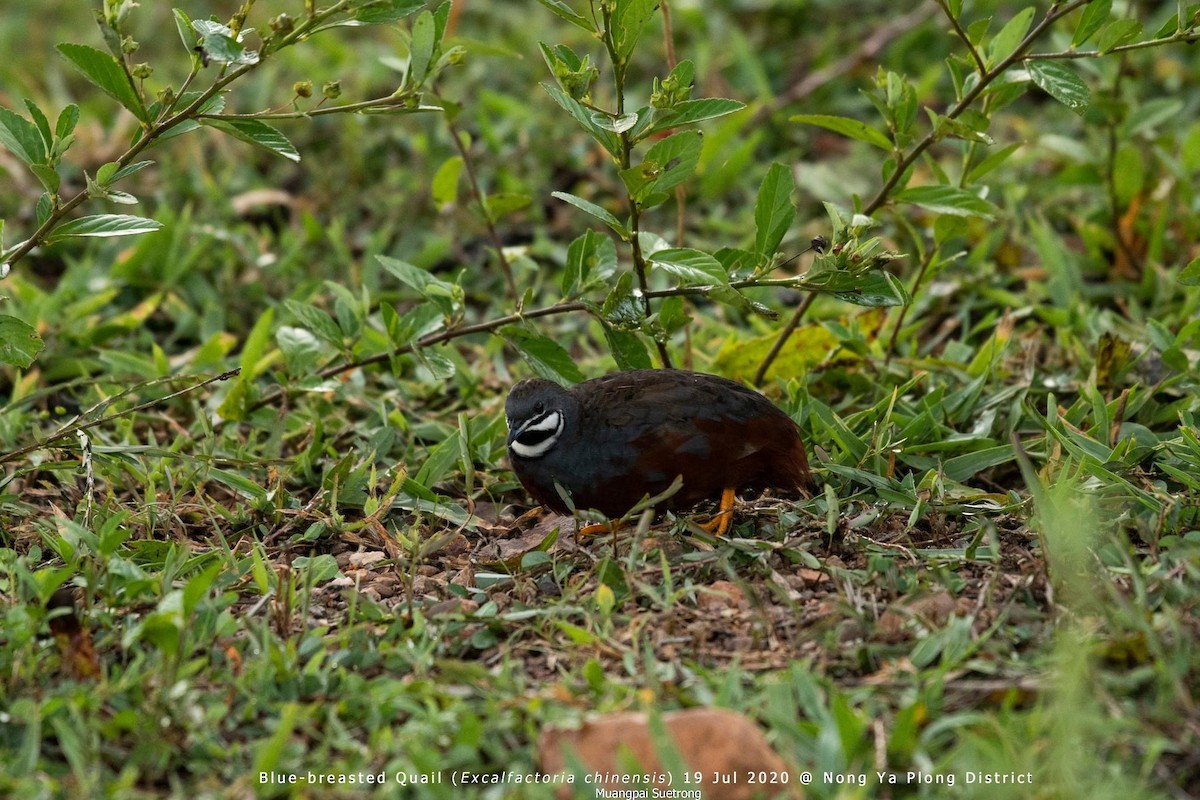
(595, 528)
(719, 524)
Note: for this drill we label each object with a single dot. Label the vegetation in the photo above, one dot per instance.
(269, 270)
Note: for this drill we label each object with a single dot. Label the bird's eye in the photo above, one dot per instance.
(539, 407)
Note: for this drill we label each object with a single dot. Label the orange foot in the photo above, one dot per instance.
(719, 524)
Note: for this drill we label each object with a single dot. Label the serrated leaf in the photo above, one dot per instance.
(1190, 275)
(218, 44)
(187, 33)
(692, 267)
(948, 200)
(847, 127)
(584, 117)
(569, 14)
(256, 132)
(628, 20)
(315, 320)
(773, 211)
(1060, 82)
(106, 74)
(102, 225)
(21, 138)
(382, 13)
(445, 181)
(545, 356)
(1010, 36)
(68, 118)
(600, 213)
(874, 290)
(627, 348)
(43, 124)
(1117, 33)
(19, 342)
(670, 162)
(691, 111)
(1094, 17)
(420, 49)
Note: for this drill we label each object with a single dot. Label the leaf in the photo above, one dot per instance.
(1060, 82)
(255, 346)
(875, 289)
(43, 124)
(316, 321)
(1190, 275)
(501, 204)
(590, 257)
(992, 161)
(103, 70)
(693, 267)
(607, 139)
(773, 211)
(690, 111)
(102, 225)
(546, 357)
(627, 348)
(21, 138)
(256, 132)
(19, 342)
(381, 13)
(628, 20)
(569, 14)
(1009, 38)
(68, 118)
(1116, 33)
(218, 44)
(1095, 15)
(187, 33)
(847, 127)
(667, 164)
(445, 181)
(603, 214)
(420, 49)
(948, 200)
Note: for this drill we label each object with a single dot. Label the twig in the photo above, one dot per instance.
(75, 428)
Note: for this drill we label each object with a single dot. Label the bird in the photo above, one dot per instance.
(609, 442)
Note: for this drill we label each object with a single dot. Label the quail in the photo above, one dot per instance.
(609, 442)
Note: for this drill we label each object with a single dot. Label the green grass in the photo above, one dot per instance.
(321, 563)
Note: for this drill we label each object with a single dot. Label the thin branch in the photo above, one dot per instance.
(78, 427)
(1182, 37)
(980, 64)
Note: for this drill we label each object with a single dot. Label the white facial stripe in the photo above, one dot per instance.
(548, 429)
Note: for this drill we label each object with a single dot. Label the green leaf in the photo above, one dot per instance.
(847, 127)
(382, 13)
(596, 211)
(107, 74)
(590, 257)
(773, 211)
(68, 118)
(1094, 16)
(218, 44)
(692, 267)
(256, 132)
(447, 296)
(875, 290)
(628, 20)
(19, 342)
(1010, 36)
(21, 138)
(102, 225)
(628, 349)
(691, 111)
(546, 357)
(255, 346)
(48, 176)
(569, 14)
(670, 162)
(502, 204)
(1117, 33)
(186, 31)
(1190, 275)
(420, 49)
(43, 124)
(948, 200)
(315, 320)
(607, 139)
(110, 173)
(445, 181)
(992, 161)
(1060, 82)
